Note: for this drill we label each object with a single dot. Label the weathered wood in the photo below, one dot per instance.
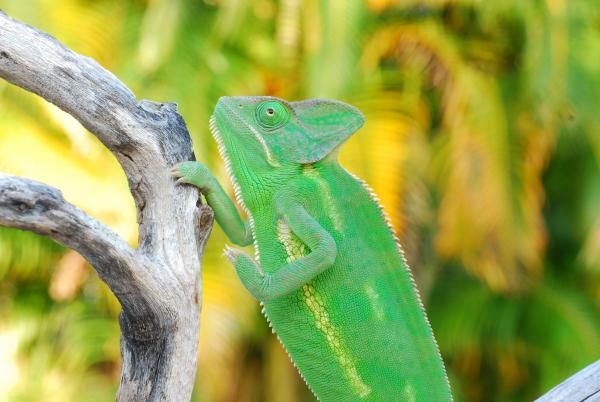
(157, 284)
(582, 386)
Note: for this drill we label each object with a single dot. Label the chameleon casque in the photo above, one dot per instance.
(328, 271)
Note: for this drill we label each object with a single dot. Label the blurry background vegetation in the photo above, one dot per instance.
(482, 140)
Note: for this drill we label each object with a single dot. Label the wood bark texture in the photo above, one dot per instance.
(158, 283)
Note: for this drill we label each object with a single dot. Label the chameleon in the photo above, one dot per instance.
(328, 271)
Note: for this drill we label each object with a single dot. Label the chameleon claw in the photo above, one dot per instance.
(234, 254)
(230, 253)
(176, 172)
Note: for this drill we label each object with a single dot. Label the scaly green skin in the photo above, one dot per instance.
(329, 272)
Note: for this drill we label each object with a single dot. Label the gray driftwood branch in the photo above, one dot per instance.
(158, 283)
(582, 386)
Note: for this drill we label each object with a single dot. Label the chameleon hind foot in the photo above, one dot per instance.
(252, 276)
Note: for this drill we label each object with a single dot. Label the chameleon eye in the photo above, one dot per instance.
(272, 115)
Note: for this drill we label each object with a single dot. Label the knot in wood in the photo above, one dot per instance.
(147, 326)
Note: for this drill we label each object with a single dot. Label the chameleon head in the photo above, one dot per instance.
(263, 137)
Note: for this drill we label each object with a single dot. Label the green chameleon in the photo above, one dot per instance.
(328, 271)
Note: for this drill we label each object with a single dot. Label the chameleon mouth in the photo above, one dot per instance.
(214, 130)
(212, 125)
(263, 143)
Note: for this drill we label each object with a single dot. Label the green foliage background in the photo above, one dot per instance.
(482, 140)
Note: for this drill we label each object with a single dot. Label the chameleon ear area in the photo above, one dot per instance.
(327, 123)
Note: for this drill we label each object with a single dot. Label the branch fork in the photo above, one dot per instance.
(157, 284)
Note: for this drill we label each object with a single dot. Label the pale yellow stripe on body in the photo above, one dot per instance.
(316, 305)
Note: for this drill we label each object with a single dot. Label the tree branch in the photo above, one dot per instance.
(33, 206)
(158, 284)
(582, 386)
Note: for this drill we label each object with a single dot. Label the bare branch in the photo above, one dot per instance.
(582, 386)
(146, 137)
(158, 284)
(38, 63)
(33, 206)
(29, 205)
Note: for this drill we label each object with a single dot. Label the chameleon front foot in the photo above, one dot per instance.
(226, 214)
(193, 173)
